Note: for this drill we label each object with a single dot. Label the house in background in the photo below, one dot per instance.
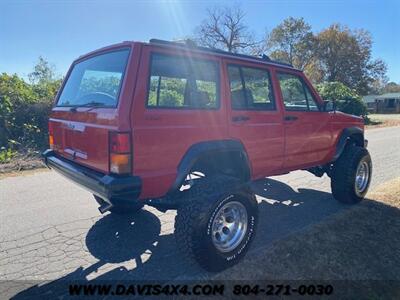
(369, 101)
(384, 104)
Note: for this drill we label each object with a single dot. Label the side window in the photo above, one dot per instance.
(180, 82)
(250, 88)
(312, 103)
(296, 95)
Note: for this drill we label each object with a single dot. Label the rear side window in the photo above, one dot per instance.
(95, 81)
(296, 95)
(182, 82)
(250, 88)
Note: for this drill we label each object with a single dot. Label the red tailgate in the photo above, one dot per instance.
(86, 143)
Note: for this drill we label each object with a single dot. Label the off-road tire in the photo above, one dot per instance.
(343, 179)
(194, 219)
(121, 209)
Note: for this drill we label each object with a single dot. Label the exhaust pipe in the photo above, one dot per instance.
(105, 207)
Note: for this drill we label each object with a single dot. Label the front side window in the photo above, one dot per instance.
(182, 82)
(250, 89)
(312, 103)
(296, 95)
(95, 81)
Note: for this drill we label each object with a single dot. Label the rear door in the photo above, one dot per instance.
(177, 103)
(255, 118)
(87, 109)
(308, 137)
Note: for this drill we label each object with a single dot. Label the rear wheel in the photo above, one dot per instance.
(351, 175)
(121, 209)
(216, 222)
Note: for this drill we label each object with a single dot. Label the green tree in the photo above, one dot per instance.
(14, 94)
(42, 72)
(344, 55)
(24, 107)
(347, 99)
(44, 80)
(293, 42)
(391, 87)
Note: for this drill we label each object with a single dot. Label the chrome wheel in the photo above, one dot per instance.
(362, 177)
(229, 226)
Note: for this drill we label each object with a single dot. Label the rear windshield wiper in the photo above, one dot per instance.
(88, 104)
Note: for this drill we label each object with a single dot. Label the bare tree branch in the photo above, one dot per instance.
(225, 29)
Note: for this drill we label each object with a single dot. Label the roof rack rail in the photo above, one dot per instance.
(188, 43)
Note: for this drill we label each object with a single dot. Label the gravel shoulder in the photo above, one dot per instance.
(20, 165)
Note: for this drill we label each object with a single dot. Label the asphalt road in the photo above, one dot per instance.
(51, 229)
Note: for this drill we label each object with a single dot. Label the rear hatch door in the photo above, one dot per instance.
(87, 109)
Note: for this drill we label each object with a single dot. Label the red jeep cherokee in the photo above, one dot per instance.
(177, 126)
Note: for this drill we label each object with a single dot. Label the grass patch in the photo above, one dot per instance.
(354, 247)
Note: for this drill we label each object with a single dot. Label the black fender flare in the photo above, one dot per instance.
(198, 150)
(344, 137)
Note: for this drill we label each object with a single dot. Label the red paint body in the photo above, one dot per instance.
(161, 137)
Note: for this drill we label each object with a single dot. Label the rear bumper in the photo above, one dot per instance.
(111, 188)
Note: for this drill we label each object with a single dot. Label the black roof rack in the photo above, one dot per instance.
(190, 44)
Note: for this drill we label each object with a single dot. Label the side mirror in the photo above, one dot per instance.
(329, 105)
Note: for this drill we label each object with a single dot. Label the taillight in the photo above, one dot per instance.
(51, 136)
(120, 153)
(120, 142)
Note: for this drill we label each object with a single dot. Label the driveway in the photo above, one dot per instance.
(51, 229)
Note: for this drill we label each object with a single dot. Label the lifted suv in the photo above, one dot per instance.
(177, 126)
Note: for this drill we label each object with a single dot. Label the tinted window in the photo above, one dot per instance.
(250, 88)
(95, 81)
(180, 82)
(296, 95)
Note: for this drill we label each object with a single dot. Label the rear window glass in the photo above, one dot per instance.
(181, 82)
(95, 81)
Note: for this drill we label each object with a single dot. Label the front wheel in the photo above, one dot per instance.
(351, 175)
(216, 223)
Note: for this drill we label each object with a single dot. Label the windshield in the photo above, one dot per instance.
(95, 81)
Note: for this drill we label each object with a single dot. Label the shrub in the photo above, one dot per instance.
(24, 111)
(352, 106)
(6, 155)
(347, 100)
